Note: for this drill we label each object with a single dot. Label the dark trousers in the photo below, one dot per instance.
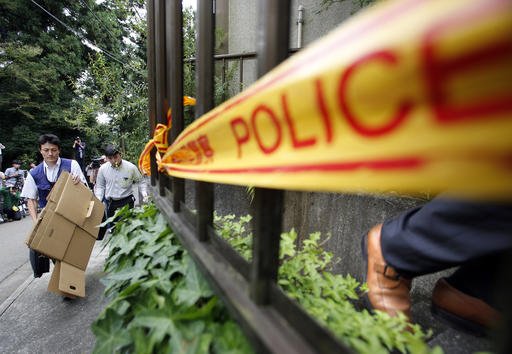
(12, 215)
(113, 205)
(445, 233)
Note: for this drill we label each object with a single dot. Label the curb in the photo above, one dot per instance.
(10, 300)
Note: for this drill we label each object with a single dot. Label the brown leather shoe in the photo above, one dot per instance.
(462, 310)
(387, 290)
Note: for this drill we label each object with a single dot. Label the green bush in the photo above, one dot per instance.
(304, 274)
(160, 301)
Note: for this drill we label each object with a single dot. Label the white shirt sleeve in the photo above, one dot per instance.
(141, 182)
(99, 187)
(29, 188)
(76, 170)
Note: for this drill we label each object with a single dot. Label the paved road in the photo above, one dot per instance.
(33, 320)
(14, 266)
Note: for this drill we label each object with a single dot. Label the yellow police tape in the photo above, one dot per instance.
(407, 96)
(159, 141)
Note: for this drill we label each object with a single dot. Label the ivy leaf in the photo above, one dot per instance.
(229, 339)
(193, 287)
(194, 313)
(158, 322)
(134, 225)
(110, 333)
(131, 274)
(150, 250)
(143, 344)
(127, 247)
(190, 338)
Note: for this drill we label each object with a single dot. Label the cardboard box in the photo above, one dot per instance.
(66, 231)
(67, 280)
(54, 236)
(79, 249)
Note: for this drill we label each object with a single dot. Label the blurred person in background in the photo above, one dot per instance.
(14, 174)
(79, 148)
(115, 181)
(10, 203)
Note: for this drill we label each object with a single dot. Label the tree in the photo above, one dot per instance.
(42, 59)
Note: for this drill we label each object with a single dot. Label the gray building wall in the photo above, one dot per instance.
(243, 22)
(242, 29)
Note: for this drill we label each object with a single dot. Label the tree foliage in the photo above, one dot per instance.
(47, 81)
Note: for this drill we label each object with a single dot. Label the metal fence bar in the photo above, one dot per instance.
(174, 51)
(323, 340)
(241, 74)
(150, 10)
(268, 214)
(231, 255)
(274, 37)
(223, 80)
(160, 75)
(246, 55)
(232, 278)
(264, 327)
(205, 82)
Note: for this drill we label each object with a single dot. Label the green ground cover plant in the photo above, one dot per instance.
(162, 304)
(304, 274)
(160, 301)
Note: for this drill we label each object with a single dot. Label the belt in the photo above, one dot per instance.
(120, 199)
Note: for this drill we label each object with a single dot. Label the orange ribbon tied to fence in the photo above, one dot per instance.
(159, 141)
(407, 96)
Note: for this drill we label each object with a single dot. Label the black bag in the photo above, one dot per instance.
(103, 229)
(40, 264)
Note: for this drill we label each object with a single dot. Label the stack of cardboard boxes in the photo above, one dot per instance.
(66, 231)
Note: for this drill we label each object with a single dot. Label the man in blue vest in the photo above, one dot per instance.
(43, 177)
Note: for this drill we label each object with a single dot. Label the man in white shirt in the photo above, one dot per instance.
(115, 181)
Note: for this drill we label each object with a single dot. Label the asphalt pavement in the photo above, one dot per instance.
(34, 320)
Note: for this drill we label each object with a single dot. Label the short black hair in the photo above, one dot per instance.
(111, 150)
(48, 138)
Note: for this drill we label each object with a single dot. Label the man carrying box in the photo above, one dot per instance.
(41, 180)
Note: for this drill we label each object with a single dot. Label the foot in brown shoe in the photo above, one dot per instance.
(387, 290)
(463, 311)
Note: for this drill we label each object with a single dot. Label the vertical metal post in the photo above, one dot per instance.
(161, 94)
(241, 76)
(174, 51)
(204, 79)
(150, 11)
(273, 34)
(224, 95)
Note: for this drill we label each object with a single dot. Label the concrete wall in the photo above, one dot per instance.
(243, 22)
(242, 29)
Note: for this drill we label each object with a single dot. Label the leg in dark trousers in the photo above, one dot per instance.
(114, 205)
(444, 233)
